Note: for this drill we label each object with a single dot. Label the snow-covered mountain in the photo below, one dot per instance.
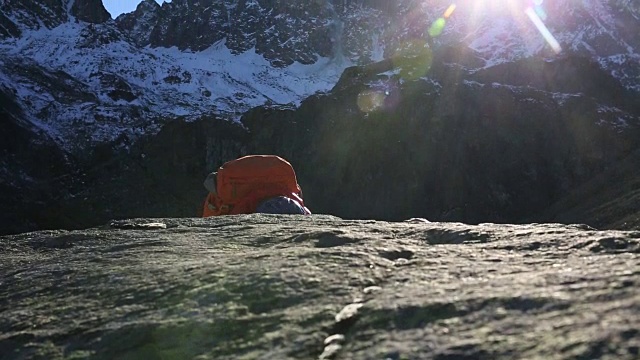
(79, 90)
(83, 82)
(77, 87)
(83, 77)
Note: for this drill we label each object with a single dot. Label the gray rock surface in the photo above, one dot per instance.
(319, 287)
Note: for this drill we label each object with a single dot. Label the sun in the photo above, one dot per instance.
(531, 11)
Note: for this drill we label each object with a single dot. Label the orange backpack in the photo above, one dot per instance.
(241, 184)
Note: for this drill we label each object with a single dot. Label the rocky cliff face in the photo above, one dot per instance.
(605, 206)
(318, 287)
(282, 31)
(285, 31)
(30, 163)
(90, 11)
(451, 147)
(182, 58)
(37, 14)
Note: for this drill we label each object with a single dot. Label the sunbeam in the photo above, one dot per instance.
(551, 40)
(534, 10)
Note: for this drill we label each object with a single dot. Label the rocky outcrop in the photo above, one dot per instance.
(91, 11)
(318, 287)
(136, 23)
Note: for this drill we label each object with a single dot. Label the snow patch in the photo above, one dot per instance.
(160, 82)
(562, 98)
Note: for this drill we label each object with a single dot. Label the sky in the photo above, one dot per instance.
(117, 7)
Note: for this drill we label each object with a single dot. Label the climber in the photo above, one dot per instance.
(254, 184)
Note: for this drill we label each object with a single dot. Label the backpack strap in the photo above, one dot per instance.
(250, 202)
(213, 206)
(298, 198)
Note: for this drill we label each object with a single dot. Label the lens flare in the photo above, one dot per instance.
(437, 27)
(543, 30)
(541, 13)
(383, 95)
(533, 9)
(370, 101)
(413, 58)
(449, 11)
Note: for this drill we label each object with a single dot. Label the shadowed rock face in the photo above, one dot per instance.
(483, 131)
(318, 287)
(29, 160)
(449, 145)
(34, 14)
(91, 11)
(453, 146)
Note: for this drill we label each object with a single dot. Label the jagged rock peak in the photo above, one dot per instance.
(140, 23)
(148, 4)
(91, 11)
(145, 6)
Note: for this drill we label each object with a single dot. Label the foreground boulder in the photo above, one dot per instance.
(319, 287)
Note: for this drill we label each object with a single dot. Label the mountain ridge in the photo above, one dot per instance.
(332, 34)
(94, 92)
